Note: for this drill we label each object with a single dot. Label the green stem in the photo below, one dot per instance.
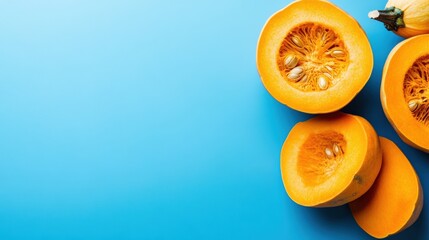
(392, 18)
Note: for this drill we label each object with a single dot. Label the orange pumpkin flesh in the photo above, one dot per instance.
(395, 200)
(330, 160)
(405, 90)
(313, 57)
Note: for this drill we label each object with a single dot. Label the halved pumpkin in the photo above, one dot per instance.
(330, 160)
(313, 57)
(395, 200)
(405, 90)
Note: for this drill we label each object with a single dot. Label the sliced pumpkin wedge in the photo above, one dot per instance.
(395, 200)
(330, 160)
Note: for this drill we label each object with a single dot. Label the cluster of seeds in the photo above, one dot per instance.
(416, 89)
(334, 151)
(311, 57)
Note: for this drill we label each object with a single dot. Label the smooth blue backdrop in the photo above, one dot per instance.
(136, 119)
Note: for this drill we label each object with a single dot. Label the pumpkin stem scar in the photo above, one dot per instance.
(392, 18)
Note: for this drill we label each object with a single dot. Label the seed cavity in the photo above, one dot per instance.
(319, 51)
(320, 156)
(415, 87)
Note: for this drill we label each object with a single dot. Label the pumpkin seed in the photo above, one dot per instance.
(328, 75)
(297, 70)
(297, 41)
(322, 83)
(328, 68)
(337, 149)
(294, 77)
(296, 74)
(291, 61)
(329, 153)
(413, 105)
(337, 53)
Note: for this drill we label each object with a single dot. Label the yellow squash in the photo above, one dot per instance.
(406, 18)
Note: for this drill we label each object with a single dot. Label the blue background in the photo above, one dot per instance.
(147, 120)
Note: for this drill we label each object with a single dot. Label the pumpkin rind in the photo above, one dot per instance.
(346, 83)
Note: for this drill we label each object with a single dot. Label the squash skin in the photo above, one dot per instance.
(350, 83)
(405, 18)
(400, 59)
(371, 211)
(361, 177)
(416, 17)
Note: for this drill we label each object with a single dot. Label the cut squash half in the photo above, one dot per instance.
(330, 160)
(313, 57)
(405, 91)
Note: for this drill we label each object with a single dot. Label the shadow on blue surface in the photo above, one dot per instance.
(339, 217)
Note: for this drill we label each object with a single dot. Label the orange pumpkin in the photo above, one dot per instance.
(313, 57)
(330, 160)
(405, 90)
